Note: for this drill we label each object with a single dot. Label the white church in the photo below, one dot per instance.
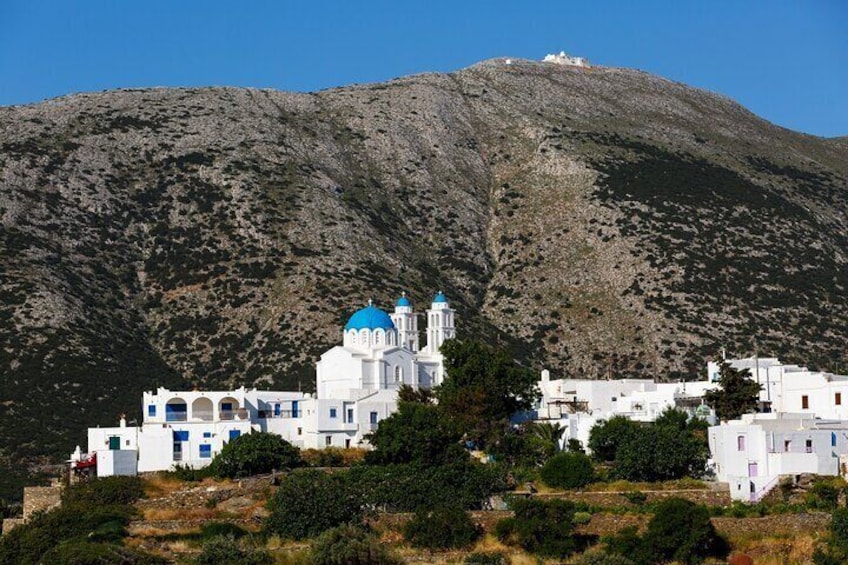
(357, 385)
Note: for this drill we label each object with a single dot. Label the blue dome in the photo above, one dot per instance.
(370, 318)
(403, 301)
(440, 297)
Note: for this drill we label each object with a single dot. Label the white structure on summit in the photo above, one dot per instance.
(562, 59)
(357, 386)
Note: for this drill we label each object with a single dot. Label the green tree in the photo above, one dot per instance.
(255, 453)
(309, 502)
(659, 453)
(681, 531)
(568, 470)
(541, 527)
(446, 527)
(483, 388)
(737, 394)
(422, 395)
(416, 433)
(606, 436)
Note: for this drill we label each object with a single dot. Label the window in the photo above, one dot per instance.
(300, 431)
(205, 451)
(234, 434)
(373, 418)
(787, 445)
(207, 434)
(151, 410)
(328, 440)
(347, 444)
(350, 415)
(181, 435)
(808, 446)
(837, 399)
(333, 412)
(833, 439)
(226, 406)
(805, 402)
(740, 443)
(398, 374)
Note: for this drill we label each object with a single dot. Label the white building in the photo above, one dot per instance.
(562, 59)
(792, 388)
(578, 404)
(752, 453)
(357, 385)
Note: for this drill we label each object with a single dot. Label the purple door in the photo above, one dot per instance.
(752, 469)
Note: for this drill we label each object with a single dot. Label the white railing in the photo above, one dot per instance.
(758, 495)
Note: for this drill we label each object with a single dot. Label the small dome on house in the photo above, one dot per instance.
(440, 298)
(403, 301)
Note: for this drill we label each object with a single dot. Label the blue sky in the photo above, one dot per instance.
(786, 60)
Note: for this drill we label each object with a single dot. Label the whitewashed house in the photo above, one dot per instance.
(578, 404)
(752, 453)
(792, 388)
(357, 387)
(562, 59)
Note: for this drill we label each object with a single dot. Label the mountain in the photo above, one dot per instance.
(596, 221)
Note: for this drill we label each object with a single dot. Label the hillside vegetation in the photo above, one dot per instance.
(595, 221)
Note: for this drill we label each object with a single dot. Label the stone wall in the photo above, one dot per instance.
(36, 499)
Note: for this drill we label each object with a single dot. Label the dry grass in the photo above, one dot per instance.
(776, 550)
(156, 514)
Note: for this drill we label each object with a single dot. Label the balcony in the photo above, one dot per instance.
(175, 416)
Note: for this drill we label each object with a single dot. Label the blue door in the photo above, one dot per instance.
(277, 409)
(295, 413)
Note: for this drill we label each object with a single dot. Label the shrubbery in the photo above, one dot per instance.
(81, 552)
(93, 515)
(541, 527)
(350, 545)
(255, 453)
(227, 550)
(310, 502)
(446, 527)
(487, 558)
(680, 531)
(835, 552)
(568, 470)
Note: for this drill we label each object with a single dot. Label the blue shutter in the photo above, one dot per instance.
(205, 451)
(234, 434)
(151, 410)
(181, 435)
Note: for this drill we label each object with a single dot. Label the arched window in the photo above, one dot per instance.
(353, 337)
(378, 337)
(398, 374)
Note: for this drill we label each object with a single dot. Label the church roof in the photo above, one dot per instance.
(370, 318)
(440, 297)
(403, 301)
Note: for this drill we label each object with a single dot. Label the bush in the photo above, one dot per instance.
(253, 454)
(487, 558)
(222, 529)
(310, 502)
(104, 491)
(407, 488)
(600, 557)
(83, 552)
(681, 531)
(332, 457)
(659, 453)
(189, 474)
(568, 470)
(835, 552)
(541, 527)
(226, 550)
(824, 495)
(582, 518)
(27, 543)
(350, 545)
(442, 528)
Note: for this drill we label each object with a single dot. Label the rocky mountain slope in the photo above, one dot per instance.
(597, 221)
